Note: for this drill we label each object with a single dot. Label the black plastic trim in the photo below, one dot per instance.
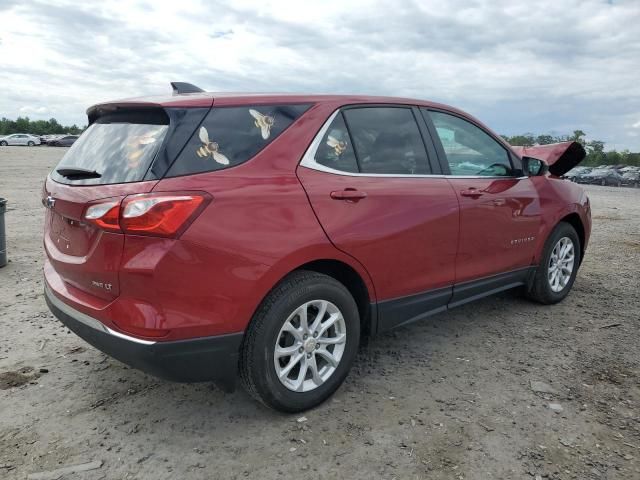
(194, 360)
(404, 310)
(401, 311)
(476, 289)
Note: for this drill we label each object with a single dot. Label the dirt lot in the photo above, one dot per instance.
(449, 398)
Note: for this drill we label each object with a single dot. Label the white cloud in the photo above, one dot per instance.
(30, 110)
(519, 66)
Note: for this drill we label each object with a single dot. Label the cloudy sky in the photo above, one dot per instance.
(521, 66)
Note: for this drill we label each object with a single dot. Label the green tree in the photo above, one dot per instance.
(36, 127)
(545, 139)
(578, 136)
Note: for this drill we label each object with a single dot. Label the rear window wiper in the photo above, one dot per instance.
(77, 172)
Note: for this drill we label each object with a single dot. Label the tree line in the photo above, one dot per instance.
(36, 127)
(595, 148)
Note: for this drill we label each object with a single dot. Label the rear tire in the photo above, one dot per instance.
(318, 361)
(547, 287)
(603, 182)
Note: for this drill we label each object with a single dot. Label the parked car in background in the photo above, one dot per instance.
(45, 139)
(19, 139)
(576, 172)
(197, 236)
(601, 176)
(64, 141)
(631, 178)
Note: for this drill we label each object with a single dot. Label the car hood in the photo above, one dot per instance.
(561, 157)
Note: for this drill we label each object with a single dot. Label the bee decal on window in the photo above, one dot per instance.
(263, 122)
(137, 146)
(338, 146)
(210, 148)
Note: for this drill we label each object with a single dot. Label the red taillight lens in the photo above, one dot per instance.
(157, 214)
(105, 215)
(160, 214)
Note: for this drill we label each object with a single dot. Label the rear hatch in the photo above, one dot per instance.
(124, 151)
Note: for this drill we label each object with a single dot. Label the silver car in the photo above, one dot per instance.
(19, 139)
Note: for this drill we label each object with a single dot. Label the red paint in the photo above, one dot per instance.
(269, 216)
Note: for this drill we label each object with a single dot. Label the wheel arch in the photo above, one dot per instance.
(575, 221)
(353, 281)
(342, 268)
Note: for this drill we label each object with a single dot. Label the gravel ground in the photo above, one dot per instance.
(449, 398)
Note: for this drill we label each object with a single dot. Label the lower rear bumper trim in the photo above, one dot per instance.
(193, 360)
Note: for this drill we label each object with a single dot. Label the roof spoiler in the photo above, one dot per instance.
(183, 87)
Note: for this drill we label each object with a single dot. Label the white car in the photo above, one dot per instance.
(19, 139)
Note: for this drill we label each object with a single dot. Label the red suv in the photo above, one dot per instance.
(198, 236)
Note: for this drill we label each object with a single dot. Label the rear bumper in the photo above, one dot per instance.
(195, 360)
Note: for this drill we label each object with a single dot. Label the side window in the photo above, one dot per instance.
(387, 140)
(469, 150)
(230, 136)
(335, 150)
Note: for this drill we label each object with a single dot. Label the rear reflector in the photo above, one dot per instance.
(155, 214)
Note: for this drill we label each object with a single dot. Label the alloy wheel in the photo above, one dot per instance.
(561, 264)
(310, 345)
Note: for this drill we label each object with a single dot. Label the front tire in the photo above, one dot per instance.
(30, 144)
(301, 342)
(558, 266)
(3, 144)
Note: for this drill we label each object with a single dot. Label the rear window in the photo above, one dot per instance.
(230, 136)
(116, 148)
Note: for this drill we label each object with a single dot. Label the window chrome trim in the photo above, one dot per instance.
(309, 161)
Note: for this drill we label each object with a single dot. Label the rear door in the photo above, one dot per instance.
(499, 207)
(370, 182)
(18, 140)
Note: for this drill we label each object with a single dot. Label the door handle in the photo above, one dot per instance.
(471, 192)
(348, 194)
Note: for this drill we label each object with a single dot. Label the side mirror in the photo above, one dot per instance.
(534, 167)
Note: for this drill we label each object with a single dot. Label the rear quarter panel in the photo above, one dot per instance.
(258, 228)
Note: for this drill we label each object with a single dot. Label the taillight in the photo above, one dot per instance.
(159, 214)
(105, 215)
(156, 214)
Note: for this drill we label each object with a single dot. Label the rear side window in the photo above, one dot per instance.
(230, 136)
(469, 150)
(387, 140)
(116, 148)
(335, 150)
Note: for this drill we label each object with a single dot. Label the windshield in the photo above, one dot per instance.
(116, 152)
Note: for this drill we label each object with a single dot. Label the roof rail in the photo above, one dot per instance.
(183, 87)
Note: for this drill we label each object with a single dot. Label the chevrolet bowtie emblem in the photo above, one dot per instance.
(49, 202)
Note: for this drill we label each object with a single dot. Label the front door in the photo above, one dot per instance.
(369, 183)
(499, 208)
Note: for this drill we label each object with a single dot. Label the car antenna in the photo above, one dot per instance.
(183, 87)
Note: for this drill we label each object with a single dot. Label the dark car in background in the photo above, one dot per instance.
(65, 141)
(601, 176)
(631, 178)
(576, 172)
